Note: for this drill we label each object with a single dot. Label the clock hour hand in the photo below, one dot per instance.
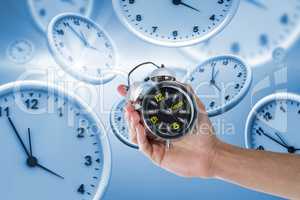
(257, 3)
(29, 139)
(18, 136)
(179, 2)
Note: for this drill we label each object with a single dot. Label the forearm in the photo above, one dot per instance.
(277, 174)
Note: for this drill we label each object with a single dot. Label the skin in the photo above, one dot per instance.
(202, 155)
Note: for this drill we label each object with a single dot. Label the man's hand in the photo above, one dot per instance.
(191, 156)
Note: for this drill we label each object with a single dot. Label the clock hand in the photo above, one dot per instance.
(179, 2)
(281, 139)
(78, 35)
(29, 139)
(18, 136)
(48, 170)
(257, 3)
(68, 1)
(260, 130)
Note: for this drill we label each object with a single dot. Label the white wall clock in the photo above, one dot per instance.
(20, 51)
(44, 10)
(54, 142)
(221, 83)
(258, 28)
(119, 124)
(175, 23)
(82, 48)
(273, 123)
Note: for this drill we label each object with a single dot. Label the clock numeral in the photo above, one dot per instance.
(131, 1)
(138, 18)
(4, 111)
(154, 29)
(196, 29)
(260, 148)
(212, 18)
(268, 116)
(60, 32)
(76, 22)
(81, 189)
(175, 33)
(88, 161)
(32, 104)
(80, 132)
(220, 1)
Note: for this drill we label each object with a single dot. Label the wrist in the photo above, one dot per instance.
(220, 155)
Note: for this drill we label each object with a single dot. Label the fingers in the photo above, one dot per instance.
(122, 89)
(143, 142)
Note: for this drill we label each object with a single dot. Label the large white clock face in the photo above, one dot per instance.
(273, 123)
(55, 148)
(82, 48)
(220, 82)
(259, 27)
(44, 10)
(175, 22)
(119, 123)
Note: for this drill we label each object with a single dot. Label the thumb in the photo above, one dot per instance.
(122, 89)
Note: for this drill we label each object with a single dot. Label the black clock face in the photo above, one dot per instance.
(168, 111)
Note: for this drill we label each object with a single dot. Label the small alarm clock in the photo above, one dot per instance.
(167, 107)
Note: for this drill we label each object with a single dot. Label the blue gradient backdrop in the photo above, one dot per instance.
(133, 176)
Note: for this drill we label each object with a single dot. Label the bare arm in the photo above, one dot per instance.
(277, 174)
(201, 154)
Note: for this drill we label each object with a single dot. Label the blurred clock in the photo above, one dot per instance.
(272, 124)
(175, 22)
(44, 10)
(20, 51)
(259, 27)
(221, 82)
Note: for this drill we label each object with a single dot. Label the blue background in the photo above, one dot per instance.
(133, 176)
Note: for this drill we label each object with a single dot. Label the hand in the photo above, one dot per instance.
(191, 156)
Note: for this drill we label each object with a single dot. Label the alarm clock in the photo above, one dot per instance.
(167, 107)
(175, 23)
(55, 145)
(220, 82)
(273, 122)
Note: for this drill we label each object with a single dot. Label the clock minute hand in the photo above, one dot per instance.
(271, 138)
(179, 2)
(18, 136)
(257, 3)
(50, 171)
(78, 35)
